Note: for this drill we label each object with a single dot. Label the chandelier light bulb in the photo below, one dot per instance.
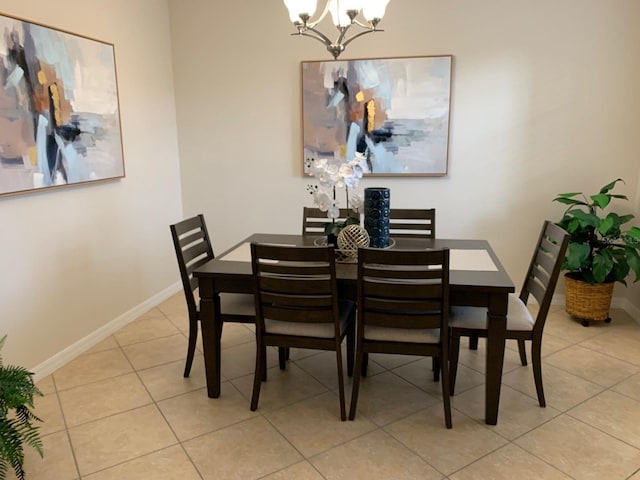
(374, 9)
(298, 8)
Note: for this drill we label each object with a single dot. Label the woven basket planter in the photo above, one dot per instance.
(587, 301)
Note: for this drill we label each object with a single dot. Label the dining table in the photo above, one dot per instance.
(477, 278)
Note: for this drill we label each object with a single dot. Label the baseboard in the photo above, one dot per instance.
(61, 358)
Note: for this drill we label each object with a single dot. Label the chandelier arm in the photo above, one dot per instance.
(316, 35)
(349, 40)
(343, 32)
(367, 25)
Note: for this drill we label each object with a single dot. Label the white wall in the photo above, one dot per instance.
(633, 292)
(75, 259)
(545, 100)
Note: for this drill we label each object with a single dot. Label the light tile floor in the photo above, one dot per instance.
(123, 411)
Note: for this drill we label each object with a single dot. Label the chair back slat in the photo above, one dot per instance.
(297, 315)
(405, 290)
(194, 251)
(288, 285)
(408, 322)
(544, 269)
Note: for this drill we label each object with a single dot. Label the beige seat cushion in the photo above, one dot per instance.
(406, 335)
(518, 317)
(318, 330)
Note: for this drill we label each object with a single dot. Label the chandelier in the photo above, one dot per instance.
(344, 14)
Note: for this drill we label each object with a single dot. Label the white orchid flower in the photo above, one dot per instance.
(356, 201)
(333, 212)
(323, 200)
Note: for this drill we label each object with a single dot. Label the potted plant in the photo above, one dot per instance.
(16, 418)
(331, 176)
(602, 250)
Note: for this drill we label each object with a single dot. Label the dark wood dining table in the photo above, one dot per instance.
(488, 288)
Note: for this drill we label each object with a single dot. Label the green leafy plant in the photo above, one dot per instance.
(600, 250)
(16, 418)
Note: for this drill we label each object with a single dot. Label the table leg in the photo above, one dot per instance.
(211, 326)
(497, 322)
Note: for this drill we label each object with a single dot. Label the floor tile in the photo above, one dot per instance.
(145, 328)
(245, 451)
(419, 373)
(612, 413)
(299, 471)
(106, 344)
(517, 415)
(550, 344)
(48, 409)
(113, 440)
(156, 352)
(508, 463)
(102, 399)
(593, 366)
(165, 381)
(385, 397)
(236, 334)
(561, 324)
(313, 426)
(91, 367)
(617, 345)
(46, 385)
(174, 305)
(194, 413)
(573, 447)
(629, 387)
(360, 458)
(57, 463)
(169, 464)
(282, 388)
(562, 390)
(447, 450)
(239, 360)
(322, 366)
(389, 361)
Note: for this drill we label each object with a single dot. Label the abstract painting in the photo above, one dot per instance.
(59, 115)
(393, 111)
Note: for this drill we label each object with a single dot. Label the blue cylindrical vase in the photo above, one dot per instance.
(376, 216)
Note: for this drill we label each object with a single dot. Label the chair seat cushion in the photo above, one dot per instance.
(318, 330)
(518, 317)
(407, 335)
(237, 304)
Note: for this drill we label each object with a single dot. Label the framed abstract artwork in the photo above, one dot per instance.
(393, 111)
(59, 113)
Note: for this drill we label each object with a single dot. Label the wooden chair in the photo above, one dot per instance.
(416, 223)
(297, 306)
(540, 282)
(193, 249)
(403, 308)
(314, 220)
